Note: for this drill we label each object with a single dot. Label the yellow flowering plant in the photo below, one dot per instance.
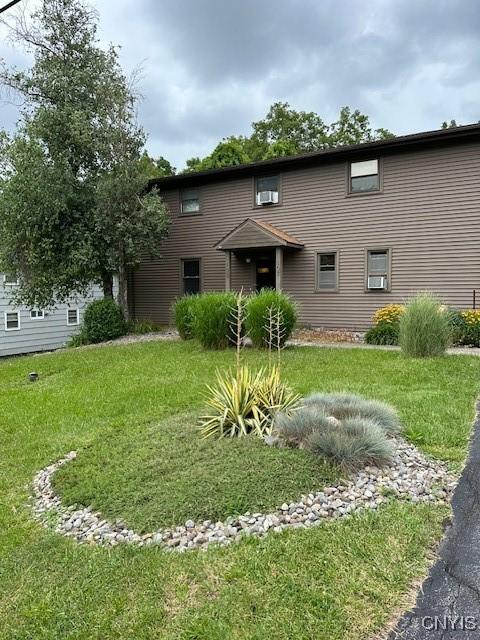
(471, 316)
(390, 314)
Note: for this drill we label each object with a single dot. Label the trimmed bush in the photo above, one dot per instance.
(257, 312)
(383, 333)
(212, 316)
(183, 311)
(103, 320)
(425, 327)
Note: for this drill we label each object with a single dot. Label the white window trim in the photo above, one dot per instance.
(5, 321)
(73, 324)
(37, 317)
(10, 284)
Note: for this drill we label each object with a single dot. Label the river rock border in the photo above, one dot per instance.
(411, 476)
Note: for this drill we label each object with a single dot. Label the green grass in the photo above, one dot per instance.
(116, 405)
(163, 474)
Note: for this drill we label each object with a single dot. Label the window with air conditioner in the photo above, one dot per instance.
(364, 176)
(267, 190)
(378, 269)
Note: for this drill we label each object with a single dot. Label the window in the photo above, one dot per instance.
(37, 314)
(327, 271)
(378, 269)
(364, 176)
(10, 280)
(12, 321)
(190, 201)
(191, 276)
(267, 190)
(73, 316)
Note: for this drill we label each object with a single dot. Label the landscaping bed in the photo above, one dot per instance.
(130, 411)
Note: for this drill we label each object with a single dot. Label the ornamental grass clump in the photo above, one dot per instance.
(184, 313)
(211, 324)
(353, 444)
(425, 330)
(344, 428)
(260, 307)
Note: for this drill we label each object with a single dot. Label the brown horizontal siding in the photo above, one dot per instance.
(428, 214)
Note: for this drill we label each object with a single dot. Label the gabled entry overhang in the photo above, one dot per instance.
(256, 234)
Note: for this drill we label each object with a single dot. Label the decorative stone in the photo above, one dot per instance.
(411, 476)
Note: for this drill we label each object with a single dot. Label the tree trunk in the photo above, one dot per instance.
(107, 284)
(123, 289)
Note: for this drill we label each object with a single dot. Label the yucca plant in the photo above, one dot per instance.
(245, 402)
(274, 396)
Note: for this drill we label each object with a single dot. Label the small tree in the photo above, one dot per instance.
(73, 201)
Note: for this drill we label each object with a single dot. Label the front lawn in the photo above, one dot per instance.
(130, 412)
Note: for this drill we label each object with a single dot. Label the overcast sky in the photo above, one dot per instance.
(211, 67)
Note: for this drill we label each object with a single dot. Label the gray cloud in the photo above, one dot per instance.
(211, 67)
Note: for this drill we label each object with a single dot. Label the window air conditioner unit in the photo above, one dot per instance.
(267, 197)
(377, 282)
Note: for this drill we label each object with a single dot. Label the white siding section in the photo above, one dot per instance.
(39, 334)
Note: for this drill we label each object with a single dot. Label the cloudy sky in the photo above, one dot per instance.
(211, 67)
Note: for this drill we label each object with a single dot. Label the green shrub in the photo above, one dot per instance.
(424, 327)
(257, 312)
(356, 443)
(382, 333)
(244, 402)
(183, 311)
(103, 320)
(212, 317)
(348, 405)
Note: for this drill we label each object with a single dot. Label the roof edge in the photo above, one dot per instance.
(458, 134)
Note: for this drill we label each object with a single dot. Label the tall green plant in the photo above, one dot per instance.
(425, 329)
(258, 310)
(212, 318)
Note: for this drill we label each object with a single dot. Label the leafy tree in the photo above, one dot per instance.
(449, 125)
(156, 168)
(304, 130)
(73, 202)
(285, 131)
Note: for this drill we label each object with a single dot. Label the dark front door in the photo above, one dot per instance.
(265, 265)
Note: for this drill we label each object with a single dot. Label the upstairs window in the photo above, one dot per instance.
(267, 190)
(73, 316)
(37, 314)
(364, 176)
(191, 276)
(378, 270)
(10, 280)
(190, 200)
(12, 321)
(327, 271)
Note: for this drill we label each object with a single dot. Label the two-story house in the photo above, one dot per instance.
(344, 231)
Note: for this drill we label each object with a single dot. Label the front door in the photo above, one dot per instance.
(265, 267)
